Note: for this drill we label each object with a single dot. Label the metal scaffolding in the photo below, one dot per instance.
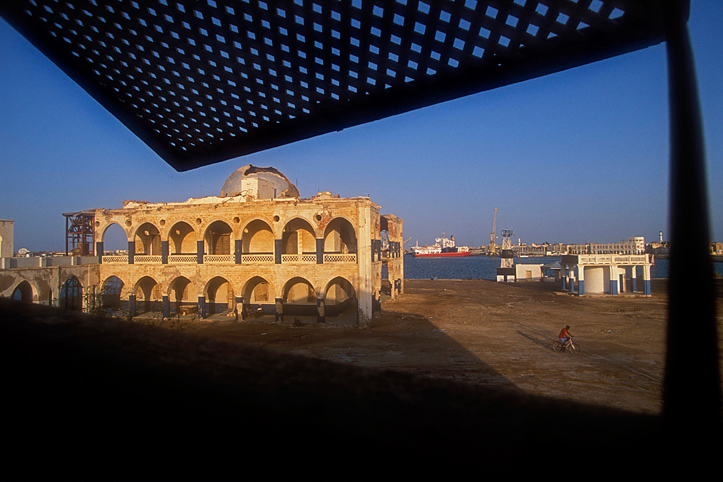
(79, 234)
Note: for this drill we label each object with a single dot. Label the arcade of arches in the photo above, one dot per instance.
(242, 254)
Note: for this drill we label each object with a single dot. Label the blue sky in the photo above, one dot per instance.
(578, 156)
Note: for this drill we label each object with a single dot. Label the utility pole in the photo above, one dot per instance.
(492, 247)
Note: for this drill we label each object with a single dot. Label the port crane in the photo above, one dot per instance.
(404, 243)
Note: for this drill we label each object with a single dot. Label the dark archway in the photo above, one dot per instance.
(23, 292)
(111, 293)
(259, 297)
(340, 298)
(148, 295)
(181, 292)
(299, 297)
(71, 294)
(218, 238)
(219, 296)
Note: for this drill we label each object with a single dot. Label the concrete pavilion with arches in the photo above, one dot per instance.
(255, 250)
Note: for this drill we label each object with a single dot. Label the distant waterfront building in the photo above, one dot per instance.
(531, 250)
(716, 249)
(611, 274)
(634, 245)
(607, 268)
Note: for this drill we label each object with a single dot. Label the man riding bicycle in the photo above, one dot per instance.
(565, 335)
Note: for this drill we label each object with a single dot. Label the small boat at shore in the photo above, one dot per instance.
(442, 248)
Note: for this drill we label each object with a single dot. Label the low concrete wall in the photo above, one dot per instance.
(45, 261)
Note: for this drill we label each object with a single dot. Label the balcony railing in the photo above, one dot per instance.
(115, 259)
(257, 258)
(218, 259)
(339, 258)
(298, 258)
(182, 259)
(148, 259)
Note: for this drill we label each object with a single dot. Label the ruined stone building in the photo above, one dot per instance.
(6, 238)
(257, 249)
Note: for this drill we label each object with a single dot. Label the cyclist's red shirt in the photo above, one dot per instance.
(564, 333)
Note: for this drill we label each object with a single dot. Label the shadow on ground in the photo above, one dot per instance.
(97, 399)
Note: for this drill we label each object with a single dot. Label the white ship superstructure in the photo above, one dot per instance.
(442, 247)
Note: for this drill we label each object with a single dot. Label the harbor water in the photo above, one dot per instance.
(485, 267)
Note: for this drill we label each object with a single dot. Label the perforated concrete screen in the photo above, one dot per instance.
(203, 81)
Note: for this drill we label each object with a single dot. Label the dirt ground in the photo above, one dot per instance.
(492, 334)
(451, 378)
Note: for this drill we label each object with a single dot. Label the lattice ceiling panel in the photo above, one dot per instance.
(203, 81)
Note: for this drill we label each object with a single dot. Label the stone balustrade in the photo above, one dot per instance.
(147, 259)
(298, 258)
(182, 259)
(257, 259)
(339, 258)
(218, 259)
(252, 258)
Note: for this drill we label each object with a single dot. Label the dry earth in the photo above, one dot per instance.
(452, 377)
(493, 334)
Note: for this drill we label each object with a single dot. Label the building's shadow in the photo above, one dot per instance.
(95, 399)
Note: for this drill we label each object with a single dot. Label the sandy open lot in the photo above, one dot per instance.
(492, 334)
(451, 378)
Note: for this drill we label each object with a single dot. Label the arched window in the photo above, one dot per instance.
(339, 237)
(340, 242)
(181, 239)
(258, 238)
(111, 293)
(298, 242)
(114, 239)
(257, 243)
(71, 294)
(148, 240)
(218, 238)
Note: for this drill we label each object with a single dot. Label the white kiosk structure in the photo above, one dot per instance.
(606, 273)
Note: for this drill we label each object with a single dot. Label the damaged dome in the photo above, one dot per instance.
(259, 183)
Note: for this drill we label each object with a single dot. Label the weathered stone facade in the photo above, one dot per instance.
(57, 281)
(251, 252)
(6, 238)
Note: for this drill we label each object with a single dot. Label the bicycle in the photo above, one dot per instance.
(568, 346)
